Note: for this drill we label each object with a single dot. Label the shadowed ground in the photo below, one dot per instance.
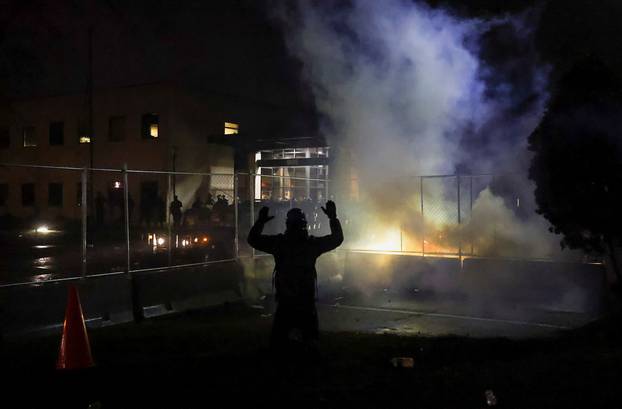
(219, 358)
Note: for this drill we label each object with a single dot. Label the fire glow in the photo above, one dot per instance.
(404, 90)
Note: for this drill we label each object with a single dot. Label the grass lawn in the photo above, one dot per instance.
(219, 358)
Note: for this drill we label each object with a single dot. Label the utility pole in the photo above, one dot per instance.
(174, 175)
(91, 127)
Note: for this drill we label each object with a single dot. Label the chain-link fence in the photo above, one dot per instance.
(280, 194)
(62, 223)
(465, 215)
(69, 222)
(40, 215)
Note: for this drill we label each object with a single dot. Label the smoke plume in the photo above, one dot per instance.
(408, 90)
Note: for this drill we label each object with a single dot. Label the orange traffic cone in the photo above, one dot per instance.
(75, 350)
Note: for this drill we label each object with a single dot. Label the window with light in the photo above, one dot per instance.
(231, 128)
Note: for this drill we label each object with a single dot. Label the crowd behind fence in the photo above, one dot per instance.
(69, 222)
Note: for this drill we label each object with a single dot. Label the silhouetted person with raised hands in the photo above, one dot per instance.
(295, 277)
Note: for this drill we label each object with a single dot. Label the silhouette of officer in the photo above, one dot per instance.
(175, 209)
(295, 277)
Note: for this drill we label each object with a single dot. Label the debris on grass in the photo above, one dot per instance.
(403, 362)
(491, 399)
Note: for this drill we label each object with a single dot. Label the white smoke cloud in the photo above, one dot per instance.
(395, 79)
(411, 90)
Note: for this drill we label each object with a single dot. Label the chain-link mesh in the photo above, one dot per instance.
(444, 215)
(440, 215)
(280, 194)
(40, 218)
(466, 212)
(106, 234)
(178, 219)
(481, 226)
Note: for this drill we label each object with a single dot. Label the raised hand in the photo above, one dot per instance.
(263, 215)
(330, 210)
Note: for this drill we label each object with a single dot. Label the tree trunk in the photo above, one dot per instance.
(614, 259)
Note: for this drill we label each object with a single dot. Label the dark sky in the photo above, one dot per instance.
(224, 46)
(227, 47)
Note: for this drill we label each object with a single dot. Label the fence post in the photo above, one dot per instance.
(236, 203)
(251, 193)
(401, 240)
(471, 210)
(494, 225)
(83, 203)
(459, 221)
(126, 219)
(326, 183)
(168, 219)
(422, 219)
(137, 310)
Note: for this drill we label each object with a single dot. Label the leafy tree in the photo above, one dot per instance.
(577, 162)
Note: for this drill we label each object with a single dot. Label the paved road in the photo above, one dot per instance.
(430, 316)
(413, 322)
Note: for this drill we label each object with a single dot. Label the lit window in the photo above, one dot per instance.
(151, 125)
(83, 132)
(231, 128)
(30, 139)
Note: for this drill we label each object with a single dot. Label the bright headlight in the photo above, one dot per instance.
(43, 229)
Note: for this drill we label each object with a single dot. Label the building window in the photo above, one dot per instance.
(231, 128)
(28, 194)
(56, 133)
(55, 195)
(4, 194)
(83, 132)
(29, 136)
(151, 125)
(116, 128)
(5, 137)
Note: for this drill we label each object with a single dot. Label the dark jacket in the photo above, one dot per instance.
(294, 256)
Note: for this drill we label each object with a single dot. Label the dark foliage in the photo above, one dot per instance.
(577, 162)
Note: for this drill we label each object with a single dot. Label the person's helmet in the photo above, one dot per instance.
(296, 220)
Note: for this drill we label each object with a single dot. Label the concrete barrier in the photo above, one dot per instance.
(193, 287)
(555, 286)
(37, 306)
(108, 298)
(401, 272)
(548, 285)
(572, 287)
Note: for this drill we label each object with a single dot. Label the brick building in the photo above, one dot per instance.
(151, 126)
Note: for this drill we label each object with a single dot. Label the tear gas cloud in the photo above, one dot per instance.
(409, 90)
